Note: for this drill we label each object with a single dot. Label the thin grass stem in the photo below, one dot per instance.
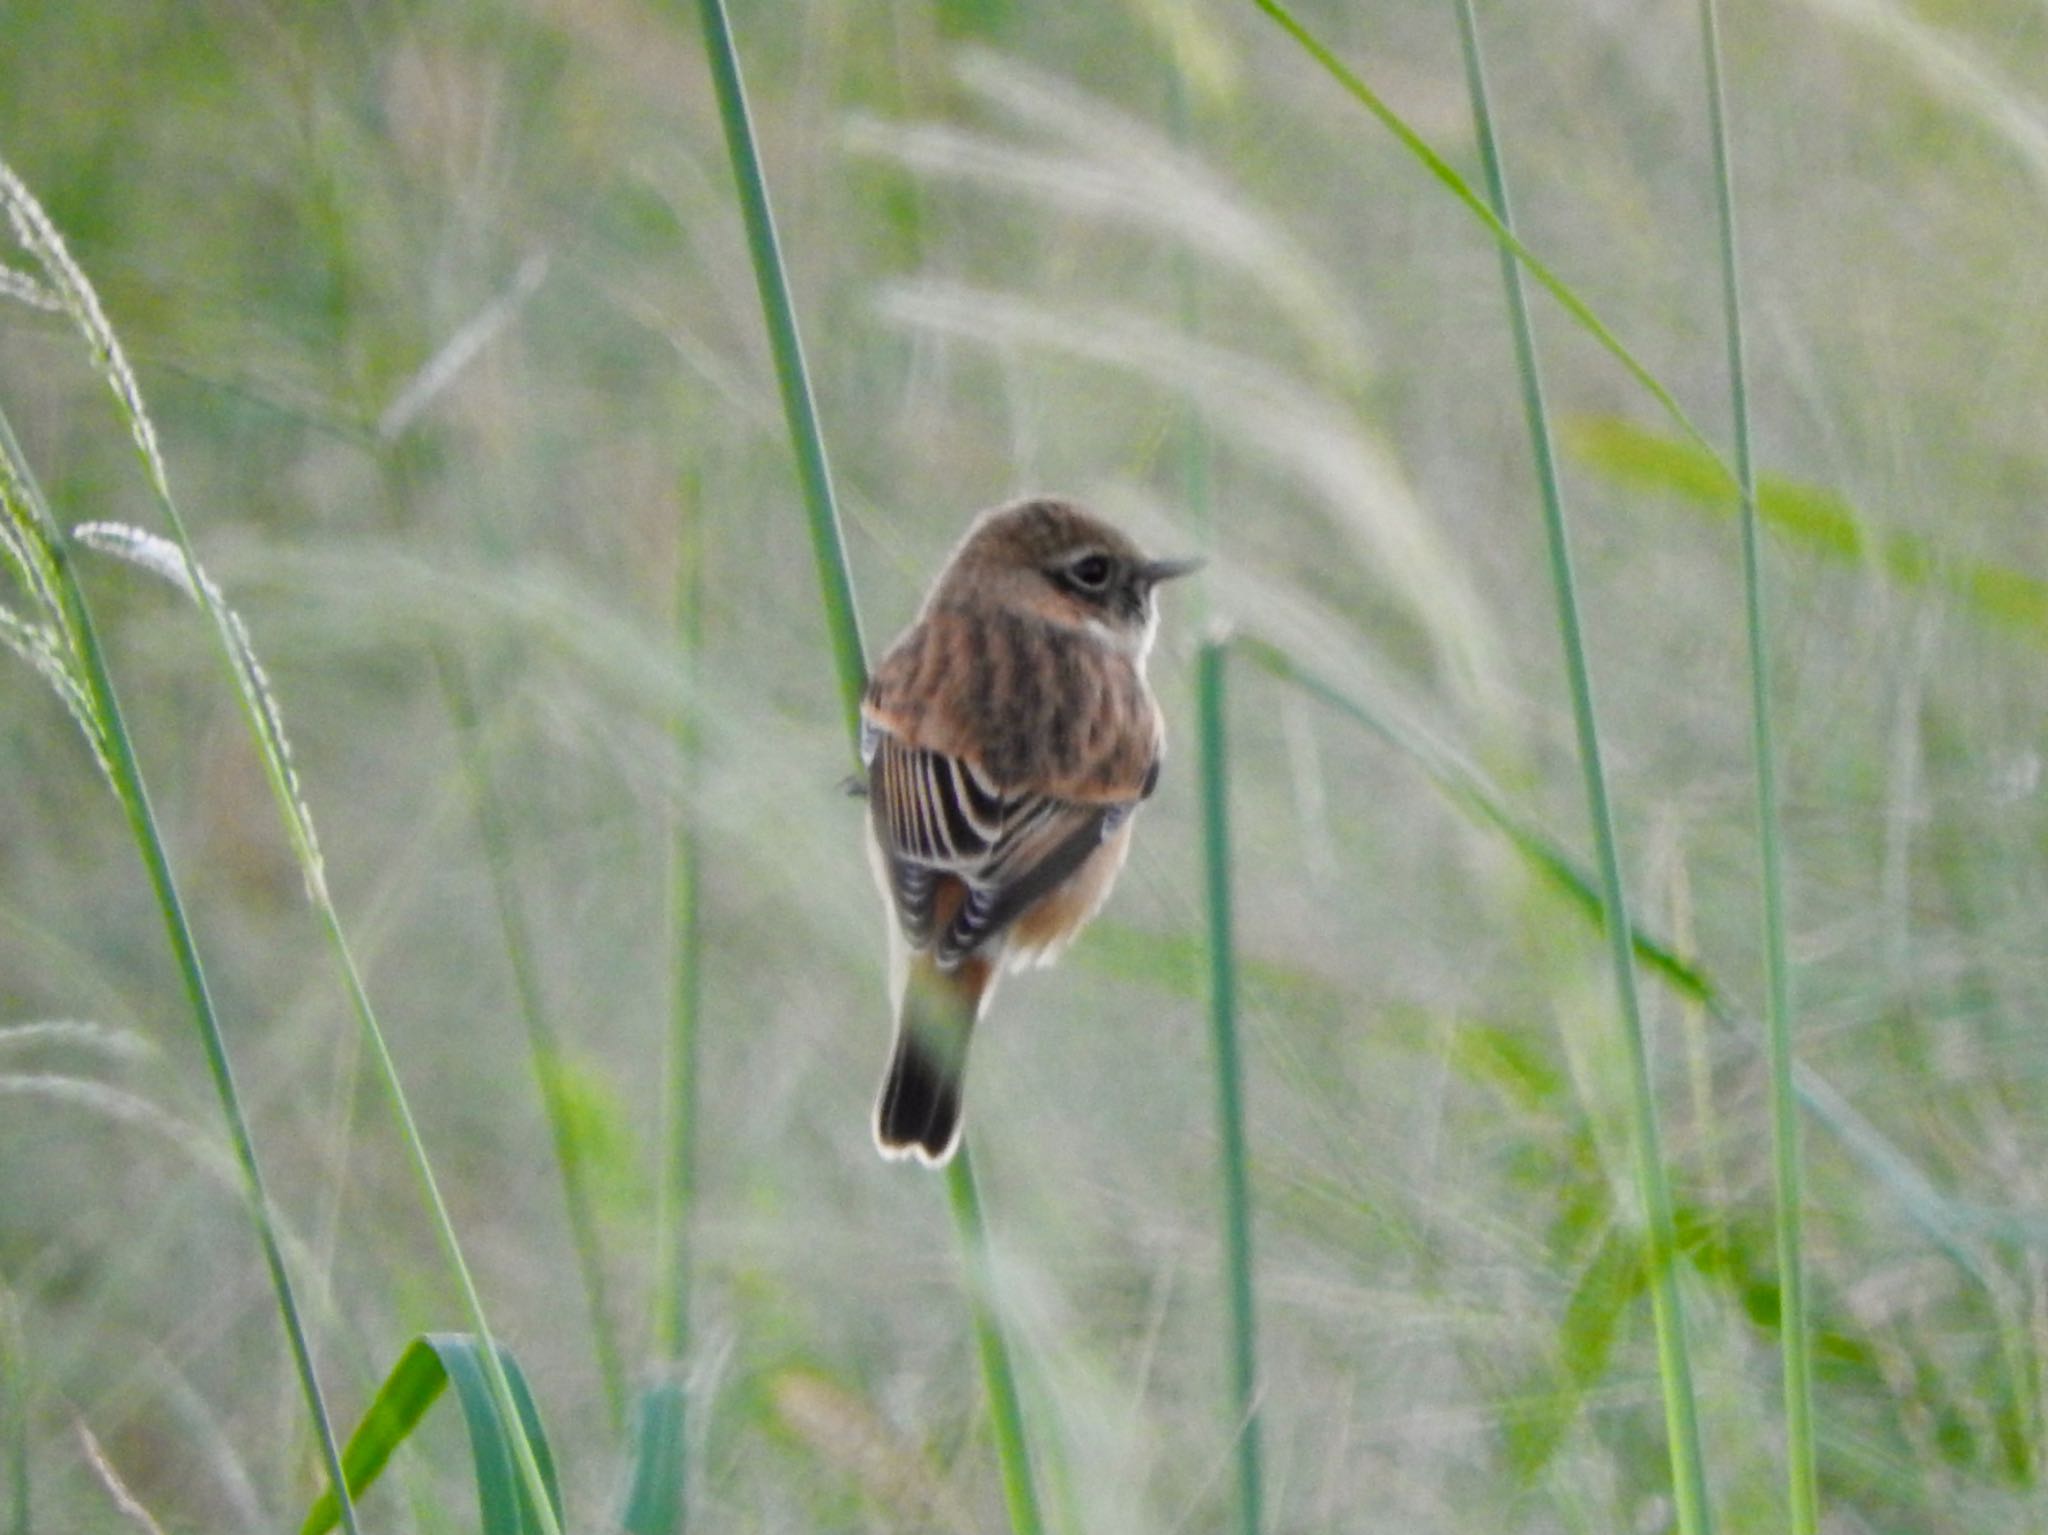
(1952, 1225)
(1005, 1407)
(1800, 1463)
(495, 1378)
(850, 663)
(544, 1052)
(1233, 1157)
(543, 1046)
(799, 406)
(129, 787)
(267, 732)
(266, 728)
(1674, 1370)
(14, 1417)
(1491, 216)
(679, 1075)
(1233, 1153)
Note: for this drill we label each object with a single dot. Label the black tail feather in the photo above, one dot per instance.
(918, 1113)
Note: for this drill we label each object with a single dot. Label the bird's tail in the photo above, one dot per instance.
(918, 1112)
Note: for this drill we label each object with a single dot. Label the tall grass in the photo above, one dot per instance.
(1793, 1330)
(1209, 334)
(259, 708)
(1233, 1154)
(38, 547)
(659, 1499)
(14, 1414)
(544, 1049)
(1674, 1368)
(835, 583)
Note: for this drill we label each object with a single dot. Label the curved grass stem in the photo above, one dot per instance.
(544, 1049)
(132, 791)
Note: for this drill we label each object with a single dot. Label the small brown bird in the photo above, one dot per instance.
(1009, 736)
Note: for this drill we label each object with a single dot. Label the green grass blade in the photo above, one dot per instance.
(424, 1370)
(1945, 1220)
(544, 1049)
(655, 1503)
(679, 1098)
(14, 1418)
(1802, 1487)
(68, 282)
(1674, 1369)
(807, 440)
(849, 656)
(1237, 1216)
(658, 1500)
(1483, 803)
(1495, 221)
(129, 787)
(1233, 1158)
(1815, 518)
(1005, 1407)
(527, 1456)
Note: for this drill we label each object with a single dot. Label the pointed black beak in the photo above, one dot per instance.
(1152, 572)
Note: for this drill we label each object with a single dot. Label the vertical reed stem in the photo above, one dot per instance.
(679, 1096)
(807, 440)
(1674, 1370)
(842, 622)
(14, 1417)
(659, 1501)
(1802, 1480)
(1229, 1091)
(543, 1047)
(1005, 1409)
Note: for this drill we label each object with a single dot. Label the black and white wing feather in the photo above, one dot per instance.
(936, 815)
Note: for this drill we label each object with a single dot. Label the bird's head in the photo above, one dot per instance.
(1057, 562)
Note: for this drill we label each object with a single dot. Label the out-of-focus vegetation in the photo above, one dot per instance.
(447, 327)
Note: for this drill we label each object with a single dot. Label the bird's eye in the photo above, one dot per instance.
(1090, 572)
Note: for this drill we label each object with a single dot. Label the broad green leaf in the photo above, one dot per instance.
(1607, 1286)
(416, 1382)
(1812, 517)
(598, 1126)
(655, 1504)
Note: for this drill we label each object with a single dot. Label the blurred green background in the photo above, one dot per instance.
(444, 317)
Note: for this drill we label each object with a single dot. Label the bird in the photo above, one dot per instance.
(1009, 736)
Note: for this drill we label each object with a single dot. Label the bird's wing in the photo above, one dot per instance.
(938, 807)
(936, 815)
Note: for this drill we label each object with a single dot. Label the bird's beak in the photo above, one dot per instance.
(1155, 571)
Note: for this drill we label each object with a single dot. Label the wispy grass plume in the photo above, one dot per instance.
(81, 304)
(1091, 159)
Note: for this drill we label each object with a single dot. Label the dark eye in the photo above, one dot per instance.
(1091, 572)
